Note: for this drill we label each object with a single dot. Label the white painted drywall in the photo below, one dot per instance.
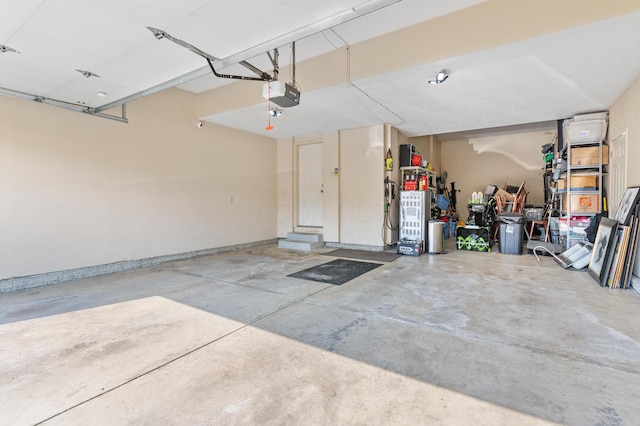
(496, 160)
(285, 187)
(353, 198)
(81, 191)
(362, 186)
(332, 177)
(624, 116)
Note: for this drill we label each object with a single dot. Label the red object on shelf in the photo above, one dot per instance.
(410, 185)
(423, 182)
(416, 160)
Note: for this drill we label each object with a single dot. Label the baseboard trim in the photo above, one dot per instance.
(353, 246)
(38, 280)
(635, 283)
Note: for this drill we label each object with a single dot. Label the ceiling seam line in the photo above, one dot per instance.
(27, 19)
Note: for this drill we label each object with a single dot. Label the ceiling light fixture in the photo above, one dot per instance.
(102, 94)
(441, 76)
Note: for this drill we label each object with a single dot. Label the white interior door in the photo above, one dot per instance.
(617, 171)
(310, 185)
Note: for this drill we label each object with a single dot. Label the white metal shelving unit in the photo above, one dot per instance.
(416, 205)
(584, 195)
(431, 175)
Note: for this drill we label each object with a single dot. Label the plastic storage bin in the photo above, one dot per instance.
(442, 202)
(511, 233)
(473, 238)
(534, 213)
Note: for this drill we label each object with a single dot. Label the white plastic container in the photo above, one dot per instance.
(592, 116)
(586, 131)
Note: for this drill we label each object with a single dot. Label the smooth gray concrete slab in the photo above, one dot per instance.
(257, 377)
(455, 338)
(54, 363)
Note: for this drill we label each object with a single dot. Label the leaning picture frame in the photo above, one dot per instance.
(602, 250)
(627, 204)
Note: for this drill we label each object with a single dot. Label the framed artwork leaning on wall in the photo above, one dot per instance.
(627, 205)
(602, 249)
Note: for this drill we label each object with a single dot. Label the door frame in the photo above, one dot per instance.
(611, 187)
(296, 186)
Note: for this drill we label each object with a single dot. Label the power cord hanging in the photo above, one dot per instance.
(269, 126)
(353, 87)
(389, 198)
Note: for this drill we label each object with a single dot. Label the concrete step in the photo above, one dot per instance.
(301, 241)
(305, 236)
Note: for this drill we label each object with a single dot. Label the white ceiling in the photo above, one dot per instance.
(535, 80)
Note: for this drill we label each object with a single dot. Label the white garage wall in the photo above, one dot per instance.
(495, 161)
(353, 199)
(79, 190)
(624, 116)
(362, 186)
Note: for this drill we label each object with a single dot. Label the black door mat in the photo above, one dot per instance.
(336, 272)
(376, 256)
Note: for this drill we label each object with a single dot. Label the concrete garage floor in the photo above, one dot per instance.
(456, 338)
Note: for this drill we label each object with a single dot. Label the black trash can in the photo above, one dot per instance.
(511, 232)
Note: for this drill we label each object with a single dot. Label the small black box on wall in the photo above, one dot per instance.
(406, 152)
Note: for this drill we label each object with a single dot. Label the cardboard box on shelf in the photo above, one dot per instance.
(579, 182)
(589, 155)
(583, 204)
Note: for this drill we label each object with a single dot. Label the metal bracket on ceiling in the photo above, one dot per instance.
(274, 62)
(66, 105)
(289, 37)
(88, 74)
(262, 76)
(5, 49)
